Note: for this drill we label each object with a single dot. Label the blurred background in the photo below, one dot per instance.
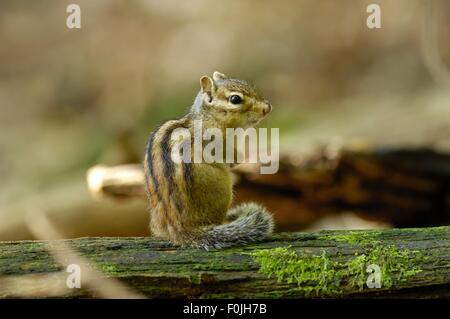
(74, 98)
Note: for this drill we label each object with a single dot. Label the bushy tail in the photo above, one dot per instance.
(251, 223)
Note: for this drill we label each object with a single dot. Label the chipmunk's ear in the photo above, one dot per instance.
(207, 85)
(217, 76)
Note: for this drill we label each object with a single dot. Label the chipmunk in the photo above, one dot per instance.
(190, 202)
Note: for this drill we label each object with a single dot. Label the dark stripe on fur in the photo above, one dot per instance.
(169, 167)
(150, 159)
(188, 177)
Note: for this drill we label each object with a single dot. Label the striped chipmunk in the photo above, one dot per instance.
(190, 201)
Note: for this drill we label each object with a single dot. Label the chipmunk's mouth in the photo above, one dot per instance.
(254, 122)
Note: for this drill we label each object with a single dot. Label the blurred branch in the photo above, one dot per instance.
(118, 181)
(46, 285)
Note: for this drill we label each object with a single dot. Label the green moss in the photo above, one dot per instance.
(356, 271)
(322, 276)
(316, 274)
(393, 261)
(354, 237)
(195, 279)
(108, 269)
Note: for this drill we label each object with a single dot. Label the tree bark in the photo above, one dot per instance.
(157, 269)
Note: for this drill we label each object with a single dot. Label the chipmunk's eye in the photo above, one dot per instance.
(235, 99)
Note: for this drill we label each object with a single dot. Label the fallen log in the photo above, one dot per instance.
(412, 263)
(403, 188)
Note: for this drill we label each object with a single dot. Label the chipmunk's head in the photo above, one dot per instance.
(232, 102)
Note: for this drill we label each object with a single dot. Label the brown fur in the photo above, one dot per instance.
(189, 200)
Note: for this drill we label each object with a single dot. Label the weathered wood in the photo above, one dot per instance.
(417, 263)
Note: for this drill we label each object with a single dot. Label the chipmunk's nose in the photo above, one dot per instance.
(267, 107)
